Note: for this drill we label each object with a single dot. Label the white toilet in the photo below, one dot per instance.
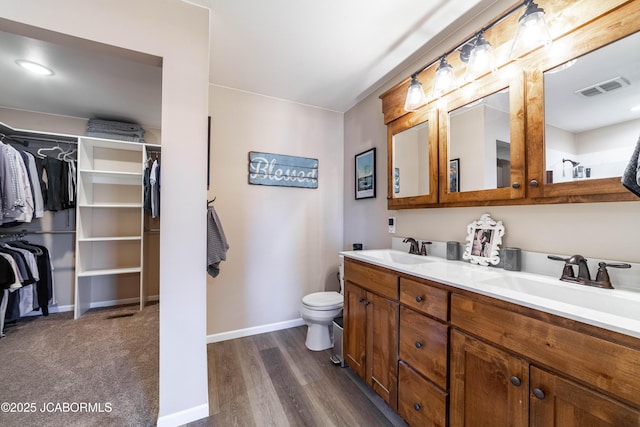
(318, 311)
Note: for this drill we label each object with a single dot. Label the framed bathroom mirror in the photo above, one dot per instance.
(592, 113)
(413, 160)
(484, 237)
(480, 140)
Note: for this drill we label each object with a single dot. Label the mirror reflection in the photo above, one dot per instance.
(411, 161)
(591, 127)
(479, 144)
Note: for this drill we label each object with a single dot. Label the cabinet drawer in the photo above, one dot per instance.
(602, 364)
(377, 281)
(423, 345)
(424, 298)
(420, 403)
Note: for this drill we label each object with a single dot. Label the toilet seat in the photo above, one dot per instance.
(323, 300)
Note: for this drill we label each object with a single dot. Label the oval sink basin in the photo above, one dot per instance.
(392, 255)
(611, 301)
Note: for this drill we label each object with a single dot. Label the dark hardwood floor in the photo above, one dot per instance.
(273, 380)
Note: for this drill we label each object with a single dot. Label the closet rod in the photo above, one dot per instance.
(26, 139)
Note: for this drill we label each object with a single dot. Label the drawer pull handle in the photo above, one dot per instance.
(419, 299)
(417, 406)
(515, 381)
(418, 344)
(538, 393)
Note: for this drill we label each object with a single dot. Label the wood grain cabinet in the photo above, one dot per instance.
(500, 382)
(371, 328)
(424, 344)
(441, 356)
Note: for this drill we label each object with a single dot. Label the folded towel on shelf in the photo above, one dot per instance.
(631, 175)
(112, 129)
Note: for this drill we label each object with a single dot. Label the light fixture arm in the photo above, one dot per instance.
(527, 3)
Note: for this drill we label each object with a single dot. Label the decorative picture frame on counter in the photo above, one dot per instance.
(365, 171)
(484, 237)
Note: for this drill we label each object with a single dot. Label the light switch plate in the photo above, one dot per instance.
(392, 224)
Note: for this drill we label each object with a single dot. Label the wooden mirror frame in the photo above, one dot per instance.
(401, 124)
(460, 98)
(616, 25)
(577, 27)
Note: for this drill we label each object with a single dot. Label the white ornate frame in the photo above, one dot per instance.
(493, 253)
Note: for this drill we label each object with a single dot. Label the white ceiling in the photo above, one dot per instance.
(328, 54)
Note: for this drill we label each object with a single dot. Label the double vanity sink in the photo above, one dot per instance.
(612, 309)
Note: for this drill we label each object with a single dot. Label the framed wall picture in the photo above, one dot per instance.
(454, 175)
(366, 174)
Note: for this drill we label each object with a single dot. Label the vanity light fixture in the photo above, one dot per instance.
(479, 55)
(481, 59)
(445, 80)
(416, 97)
(34, 67)
(532, 32)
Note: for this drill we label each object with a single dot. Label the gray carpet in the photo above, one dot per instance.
(99, 370)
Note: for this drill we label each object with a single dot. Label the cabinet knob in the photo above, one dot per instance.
(417, 406)
(419, 299)
(533, 183)
(538, 393)
(366, 303)
(516, 185)
(515, 381)
(360, 299)
(418, 344)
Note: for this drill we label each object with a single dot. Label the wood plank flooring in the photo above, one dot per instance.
(272, 379)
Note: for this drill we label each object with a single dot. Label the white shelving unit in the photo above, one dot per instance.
(109, 221)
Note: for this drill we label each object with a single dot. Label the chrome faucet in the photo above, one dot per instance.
(414, 249)
(584, 277)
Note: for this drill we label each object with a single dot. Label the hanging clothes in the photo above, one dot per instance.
(154, 180)
(217, 245)
(26, 280)
(15, 187)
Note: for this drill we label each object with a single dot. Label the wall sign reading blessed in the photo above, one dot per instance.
(283, 171)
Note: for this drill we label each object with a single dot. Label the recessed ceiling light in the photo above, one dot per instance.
(636, 108)
(35, 67)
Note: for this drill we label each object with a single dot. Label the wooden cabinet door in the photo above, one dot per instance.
(556, 402)
(355, 328)
(489, 387)
(382, 347)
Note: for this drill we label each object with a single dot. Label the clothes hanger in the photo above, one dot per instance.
(42, 155)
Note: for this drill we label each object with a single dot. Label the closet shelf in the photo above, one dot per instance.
(109, 239)
(112, 177)
(109, 271)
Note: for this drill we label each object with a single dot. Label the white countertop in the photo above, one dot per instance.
(613, 309)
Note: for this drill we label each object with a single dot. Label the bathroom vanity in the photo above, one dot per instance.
(449, 343)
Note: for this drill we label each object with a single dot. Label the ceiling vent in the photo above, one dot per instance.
(603, 87)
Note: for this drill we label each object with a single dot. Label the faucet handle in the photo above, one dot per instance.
(557, 258)
(423, 248)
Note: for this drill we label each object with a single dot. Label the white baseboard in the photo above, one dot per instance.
(239, 333)
(97, 304)
(184, 417)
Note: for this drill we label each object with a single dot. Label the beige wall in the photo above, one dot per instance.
(602, 230)
(179, 33)
(283, 241)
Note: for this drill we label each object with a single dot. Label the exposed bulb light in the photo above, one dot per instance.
(532, 32)
(35, 68)
(445, 80)
(481, 60)
(416, 97)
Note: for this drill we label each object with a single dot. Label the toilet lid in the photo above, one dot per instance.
(323, 299)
